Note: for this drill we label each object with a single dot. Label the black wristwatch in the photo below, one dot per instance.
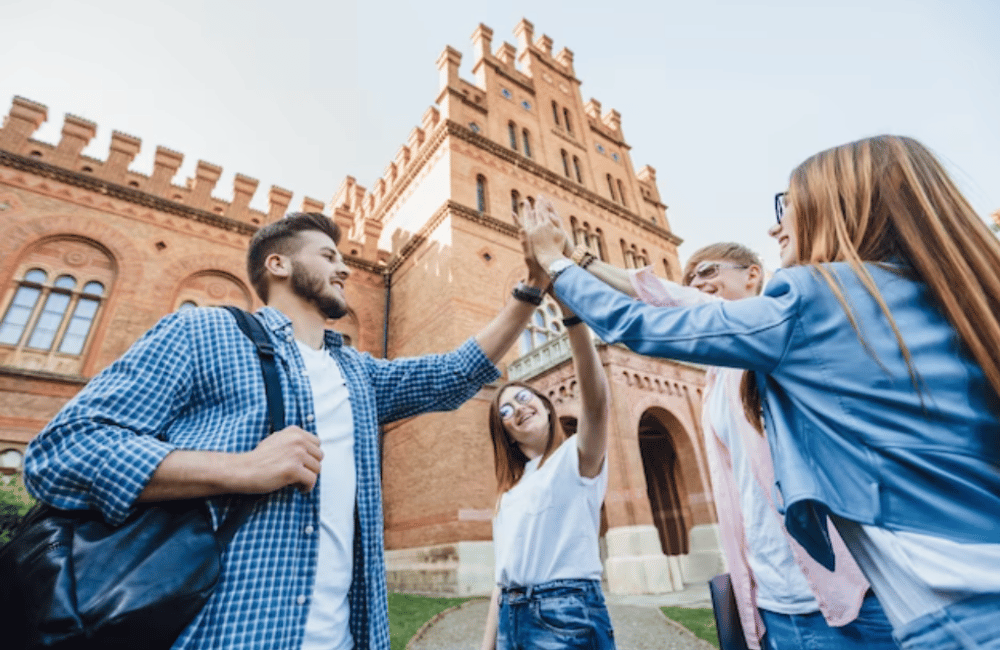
(527, 293)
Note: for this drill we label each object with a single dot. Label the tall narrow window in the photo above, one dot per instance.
(611, 187)
(82, 319)
(569, 125)
(555, 113)
(565, 160)
(512, 132)
(527, 143)
(481, 193)
(15, 321)
(515, 202)
(544, 326)
(53, 313)
(596, 244)
(621, 192)
(576, 167)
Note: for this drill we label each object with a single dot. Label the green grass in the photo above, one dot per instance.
(408, 612)
(701, 621)
(13, 499)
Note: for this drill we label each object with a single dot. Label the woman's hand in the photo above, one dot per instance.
(537, 276)
(546, 239)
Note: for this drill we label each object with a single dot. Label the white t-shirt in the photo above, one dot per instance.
(547, 525)
(328, 624)
(781, 585)
(914, 574)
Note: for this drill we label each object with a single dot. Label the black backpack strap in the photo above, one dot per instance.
(254, 331)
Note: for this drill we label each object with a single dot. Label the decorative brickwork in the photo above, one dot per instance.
(433, 260)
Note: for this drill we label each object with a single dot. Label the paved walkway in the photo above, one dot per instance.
(638, 622)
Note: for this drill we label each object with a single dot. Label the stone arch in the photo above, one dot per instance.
(212, 288)
(664, 445)
(170, 280)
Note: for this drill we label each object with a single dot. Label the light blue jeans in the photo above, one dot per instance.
(869, 631)
(556, 615)
(971, 624)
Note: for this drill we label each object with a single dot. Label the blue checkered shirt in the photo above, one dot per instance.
(194, 382)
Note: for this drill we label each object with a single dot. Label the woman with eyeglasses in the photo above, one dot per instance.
(876, 369)
(548, 514)
(785, 599)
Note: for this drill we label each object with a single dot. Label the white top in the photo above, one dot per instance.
(328, 624)
(914, 574)
(781, 585)
(547, 525)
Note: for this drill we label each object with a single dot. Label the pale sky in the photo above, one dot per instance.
(723, 98)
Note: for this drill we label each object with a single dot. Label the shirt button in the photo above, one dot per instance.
(301, 600)
(310, 417)
(309, 530)
(305, 373)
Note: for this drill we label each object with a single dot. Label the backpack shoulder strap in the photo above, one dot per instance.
(254, 331)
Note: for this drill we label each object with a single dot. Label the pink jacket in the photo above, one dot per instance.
(839, 593)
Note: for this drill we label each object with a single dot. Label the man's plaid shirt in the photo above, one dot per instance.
(194, 382)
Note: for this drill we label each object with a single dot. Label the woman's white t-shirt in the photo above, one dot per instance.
(547, 525)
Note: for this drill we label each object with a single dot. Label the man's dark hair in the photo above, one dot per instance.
(280, 237)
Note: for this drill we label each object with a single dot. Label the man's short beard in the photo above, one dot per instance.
(311, 288)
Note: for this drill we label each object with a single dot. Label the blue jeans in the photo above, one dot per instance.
(556, 615)
(971, 624)
(869, 631)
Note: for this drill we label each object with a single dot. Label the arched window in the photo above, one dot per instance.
(576, 168)
(569, 125)
(512, 132)
(545, 325)
(628, 254)
(481, 193)
(555, 113)
(621, 192)
(596, 244)
(515, 202)
(527, 143)
(565, 161)
(52, 317)
(611, 187)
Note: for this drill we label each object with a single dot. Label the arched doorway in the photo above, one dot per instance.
(664, 482)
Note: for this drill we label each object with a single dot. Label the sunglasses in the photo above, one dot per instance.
(522, 396)
(779, 205)
(708, 270)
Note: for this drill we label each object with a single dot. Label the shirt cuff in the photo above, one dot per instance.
(119, 481)
(478, 367)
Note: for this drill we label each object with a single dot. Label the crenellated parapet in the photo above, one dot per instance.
(194, 194)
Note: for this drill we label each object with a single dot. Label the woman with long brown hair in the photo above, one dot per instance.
(545, 529)
(875, 369)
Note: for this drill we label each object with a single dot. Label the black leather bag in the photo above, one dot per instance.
(69, 580)
(727, 616)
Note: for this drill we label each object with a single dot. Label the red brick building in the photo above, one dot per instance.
(92, 253)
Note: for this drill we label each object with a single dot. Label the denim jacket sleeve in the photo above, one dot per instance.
(754, 333)
(102, 448)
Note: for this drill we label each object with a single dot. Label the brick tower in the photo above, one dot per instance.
(434, 253)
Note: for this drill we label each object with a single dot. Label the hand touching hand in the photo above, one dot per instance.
(546, 239)
(545, 207)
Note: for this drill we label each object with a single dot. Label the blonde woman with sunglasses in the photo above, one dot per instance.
(786, 600)
(876, 370)
(545, 529)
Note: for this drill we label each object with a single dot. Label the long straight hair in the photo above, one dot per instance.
(508, 459)
(888, 197)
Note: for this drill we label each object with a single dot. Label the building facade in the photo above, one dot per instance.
(92, 253)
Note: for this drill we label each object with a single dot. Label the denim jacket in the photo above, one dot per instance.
(848, 432)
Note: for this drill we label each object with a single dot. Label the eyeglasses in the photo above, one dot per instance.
(708, 270)
(779, 205)
(522, 396)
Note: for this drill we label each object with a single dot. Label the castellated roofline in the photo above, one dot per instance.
(26, 116)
